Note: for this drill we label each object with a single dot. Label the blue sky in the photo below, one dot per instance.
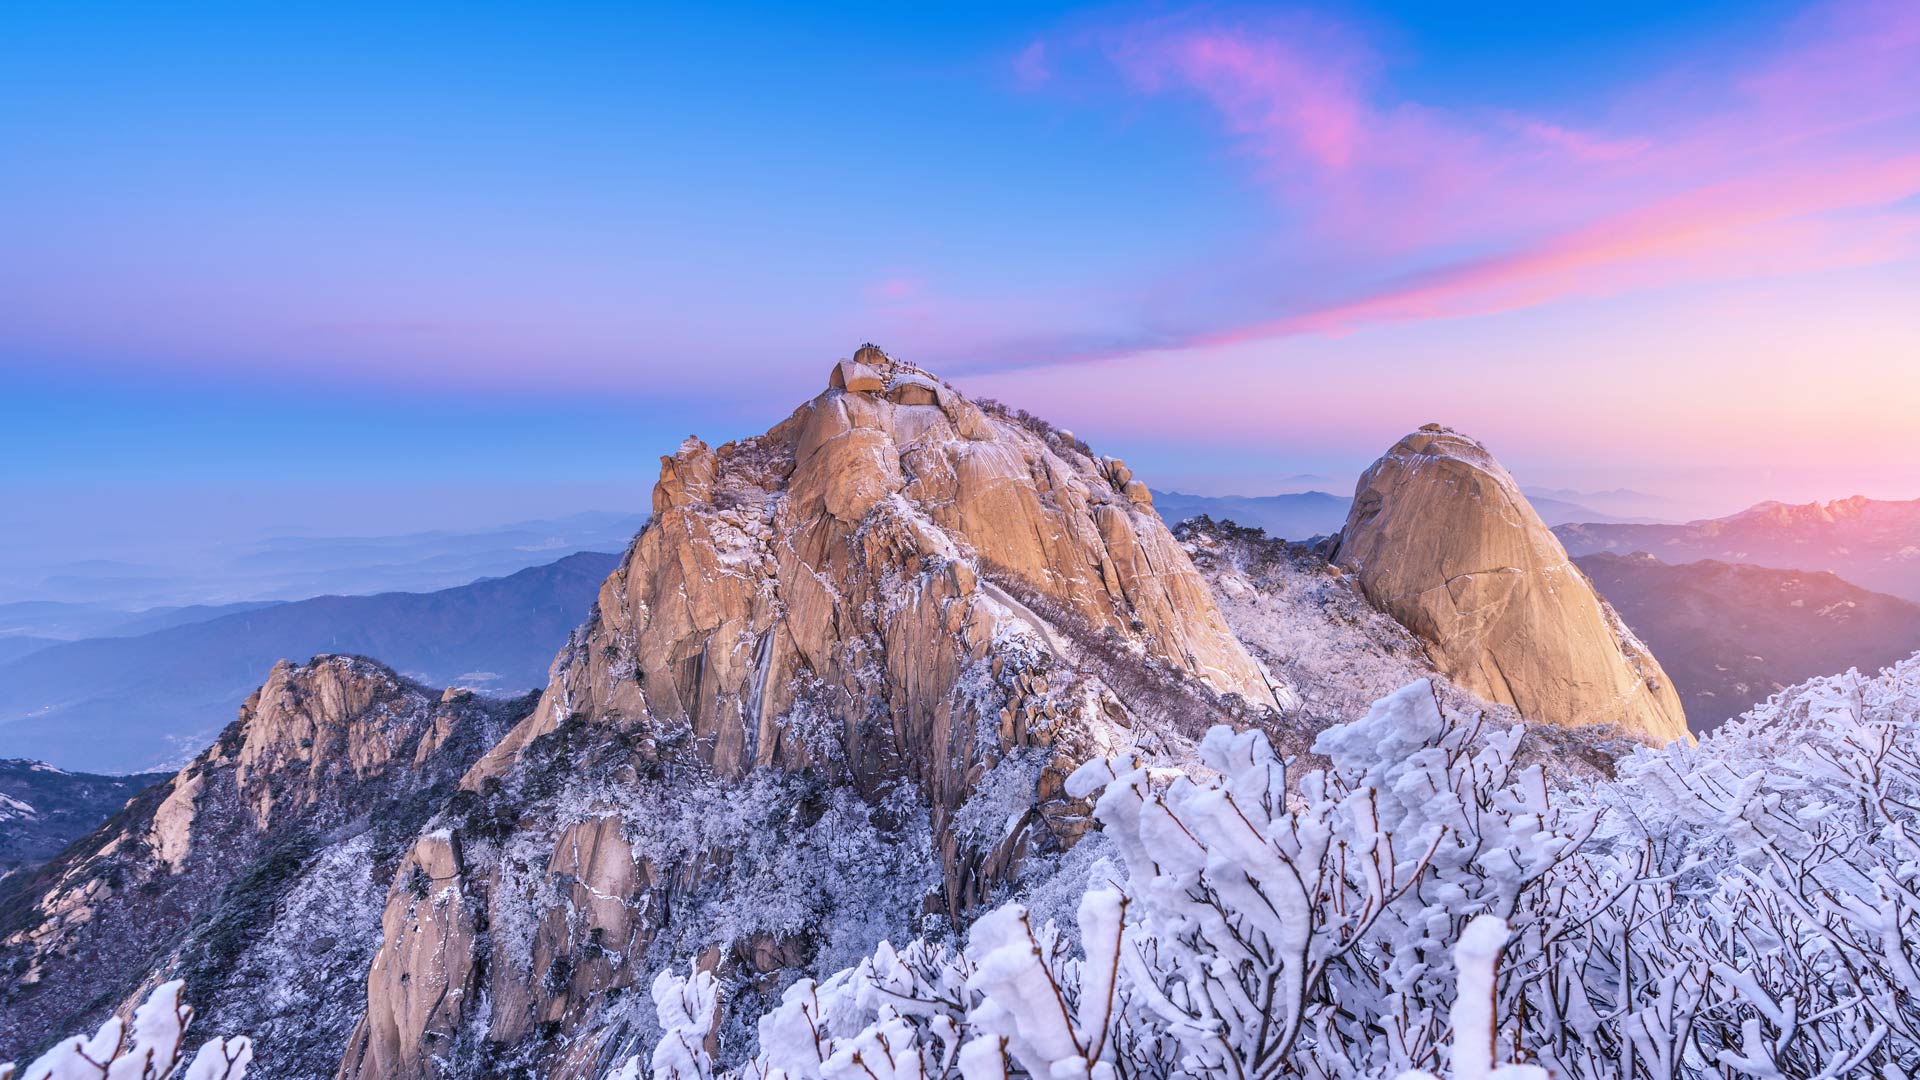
(490, 260)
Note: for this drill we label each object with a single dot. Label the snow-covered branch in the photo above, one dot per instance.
(1748, 907)
(151, 1048)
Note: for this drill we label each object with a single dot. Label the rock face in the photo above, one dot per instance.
(257, 872)
(832, 691)
(1441, 538)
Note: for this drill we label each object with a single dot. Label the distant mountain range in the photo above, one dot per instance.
(123, 703)
(1870, 542)
(1616, 504)
(1293, 517)
(83, 592)
(1730, 635)
(51, 621)
(1309, 514)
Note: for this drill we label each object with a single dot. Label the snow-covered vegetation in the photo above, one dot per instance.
(151, 1048)
(1329, 652)
(1743, 908)
(1423, 906)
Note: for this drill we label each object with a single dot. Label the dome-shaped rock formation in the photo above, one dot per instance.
(1441, 538)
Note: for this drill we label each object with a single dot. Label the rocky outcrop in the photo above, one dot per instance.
(777, 738)
(257, 872)
(1441, 538)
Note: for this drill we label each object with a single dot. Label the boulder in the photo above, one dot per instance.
(1440, 538)
(914, 389)
(856, 377)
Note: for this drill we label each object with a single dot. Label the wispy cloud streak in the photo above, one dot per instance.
(1805, 157)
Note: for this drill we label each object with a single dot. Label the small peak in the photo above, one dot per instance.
(873, 371)
(1441, 441)
(686, 478)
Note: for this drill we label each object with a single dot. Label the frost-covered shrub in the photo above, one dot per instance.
(1762, 917)
(151, 1048)
(1473, 1020)
(1249, 930)
(1746, 907)
(1311, 924)
(685, 1007)
(799, 858)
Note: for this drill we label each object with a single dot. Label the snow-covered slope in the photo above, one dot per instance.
(1328, 651)
(1426, 905)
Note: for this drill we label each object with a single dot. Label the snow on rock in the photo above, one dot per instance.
(1328, 652)
(868, 646)
(1423, 907)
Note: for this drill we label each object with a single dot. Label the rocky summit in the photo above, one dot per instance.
(832, 693)
(1441, 538)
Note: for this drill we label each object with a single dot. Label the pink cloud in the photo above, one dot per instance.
(1764, 225)
(895, 288)
(1286, 101)
(1798, 160)
(1580, 145)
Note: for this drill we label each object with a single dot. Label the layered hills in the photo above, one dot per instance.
(1731, 635)
(140, 701)
(1871, 542)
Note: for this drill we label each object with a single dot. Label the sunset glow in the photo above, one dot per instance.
(1305, 229)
